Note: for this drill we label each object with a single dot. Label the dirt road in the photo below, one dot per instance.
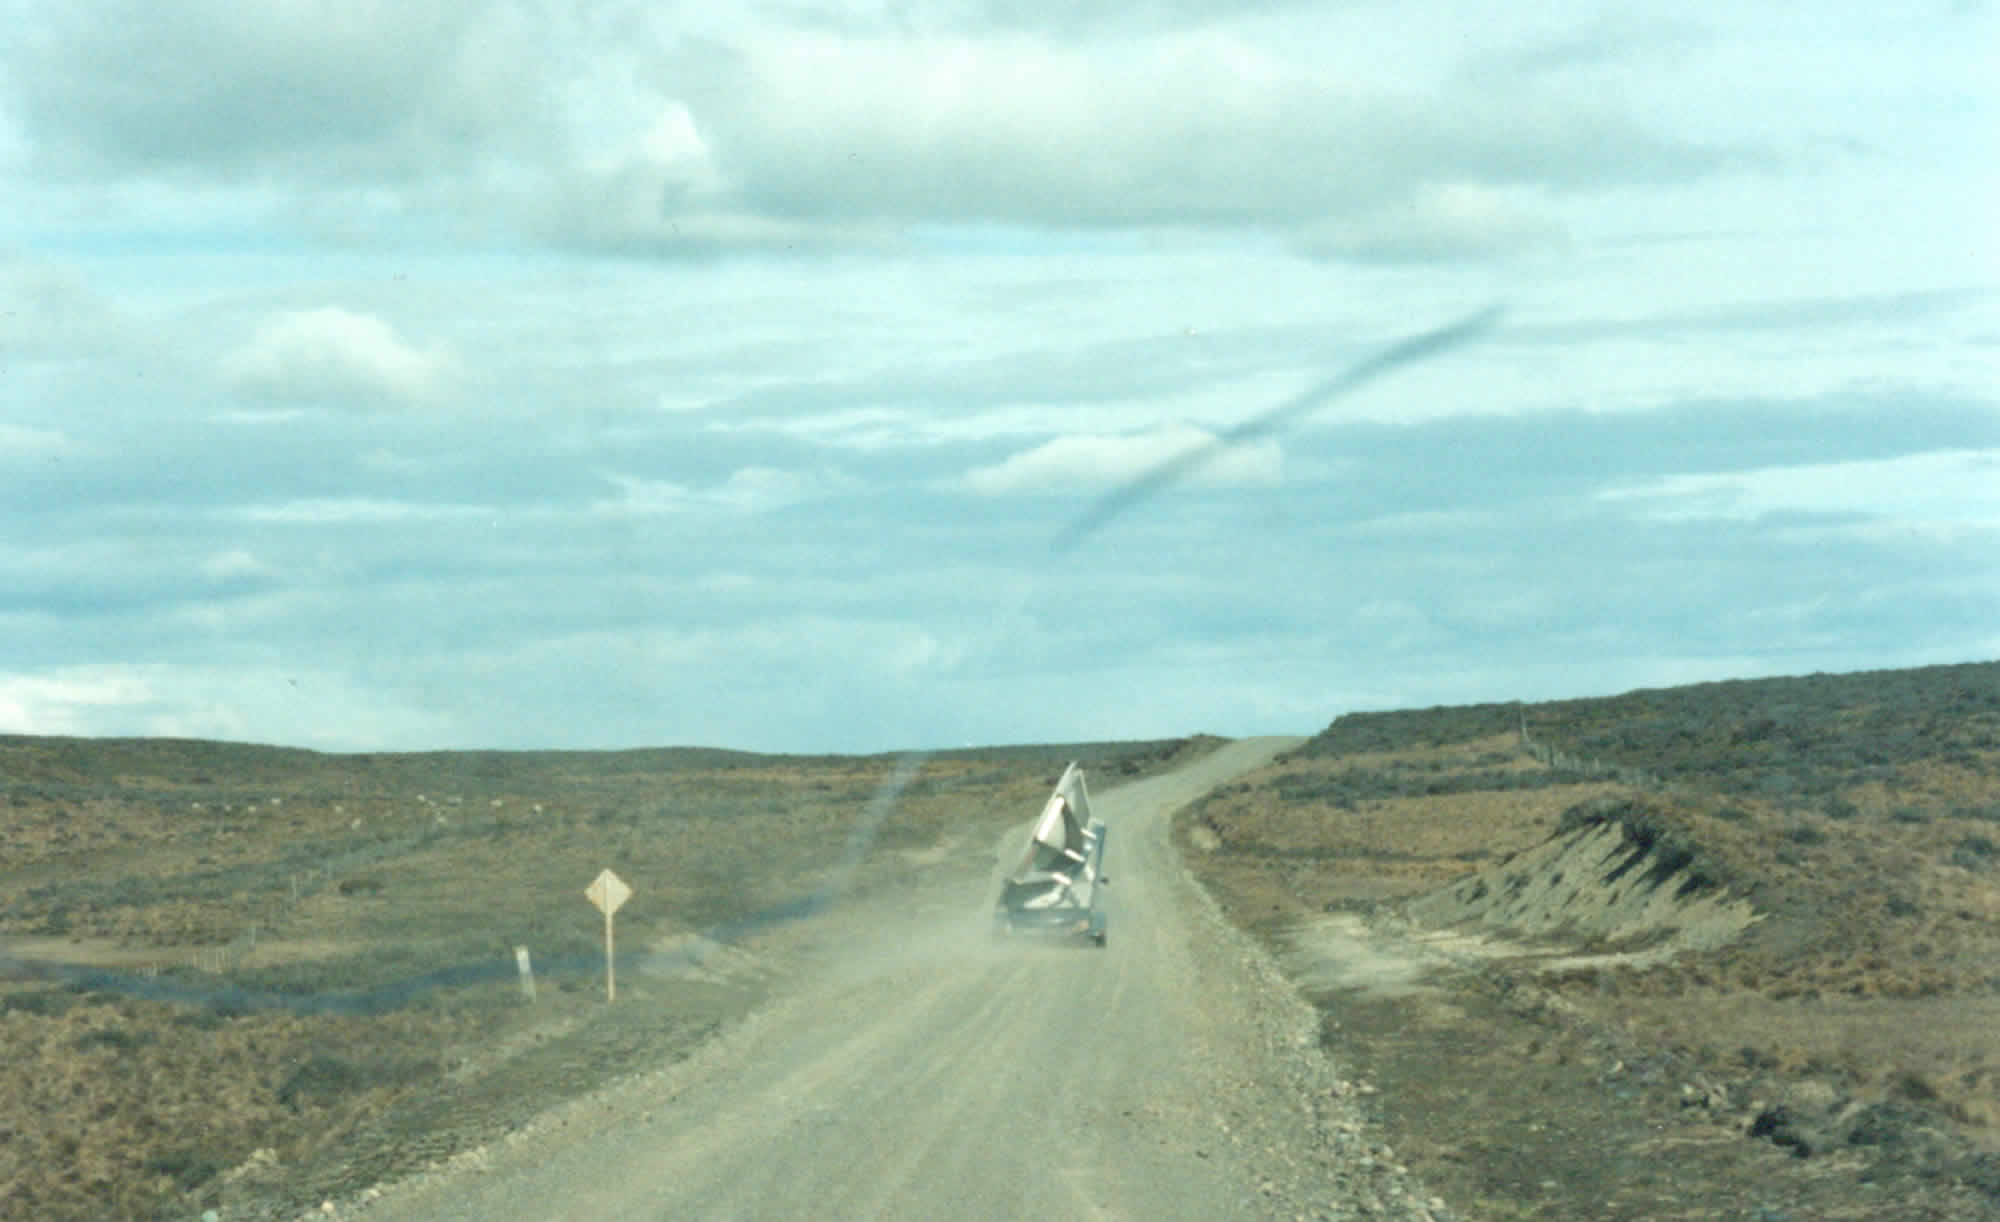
(934, 1073)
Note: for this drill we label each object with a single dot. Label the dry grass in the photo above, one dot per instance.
(1858, 814)
(375, 1021)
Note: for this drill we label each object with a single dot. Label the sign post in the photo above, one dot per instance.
(609, 892)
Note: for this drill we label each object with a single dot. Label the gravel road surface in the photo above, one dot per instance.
(928, 1071)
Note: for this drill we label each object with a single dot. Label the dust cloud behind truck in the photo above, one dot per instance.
(1057, 887)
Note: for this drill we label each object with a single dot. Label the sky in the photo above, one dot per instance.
(428, 374)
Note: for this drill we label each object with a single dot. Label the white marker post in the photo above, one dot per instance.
(609, 892)
(527, 970)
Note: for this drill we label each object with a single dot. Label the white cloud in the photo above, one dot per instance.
(19, 441)
(768, 650)
(1437, 222)
(235, 562)
(68, 700)
(1434, 523)
(747, 490)
(336, 511)
(1188, 129)
(1940, 491)
(726, 583)
(335, 355)
(1094, 462)
(301, 706)
(759, 488)
(919, 653)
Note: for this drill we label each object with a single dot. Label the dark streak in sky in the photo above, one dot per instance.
(1420, 347)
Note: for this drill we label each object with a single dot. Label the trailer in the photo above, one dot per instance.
(1057, 887)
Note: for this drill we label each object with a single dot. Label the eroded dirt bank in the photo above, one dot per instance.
(1584, 991)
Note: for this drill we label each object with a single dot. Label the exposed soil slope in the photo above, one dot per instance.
(1702, 952)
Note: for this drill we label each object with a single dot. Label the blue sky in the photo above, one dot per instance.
(496, 373)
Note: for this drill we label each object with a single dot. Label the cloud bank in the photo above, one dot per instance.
(482, 119)
(533, 373)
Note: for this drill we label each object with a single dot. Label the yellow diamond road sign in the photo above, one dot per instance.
(609, 892)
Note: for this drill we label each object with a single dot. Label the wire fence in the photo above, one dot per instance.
(231, 955)
(1555, 757)
(301, 885)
